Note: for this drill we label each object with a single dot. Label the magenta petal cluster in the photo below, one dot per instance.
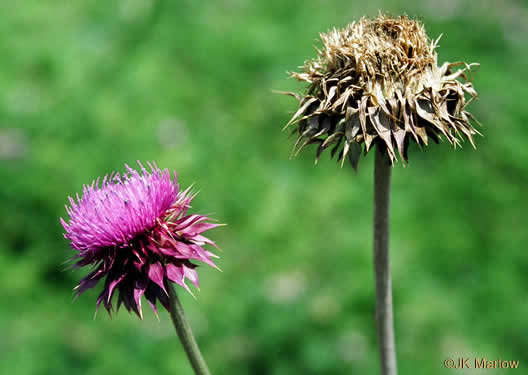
(135, 232)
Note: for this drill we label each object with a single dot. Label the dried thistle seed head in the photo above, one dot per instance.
(376, 82)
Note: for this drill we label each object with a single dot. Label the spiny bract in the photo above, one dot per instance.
(376, 82)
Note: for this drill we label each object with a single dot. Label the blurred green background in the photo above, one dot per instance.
(87, 86)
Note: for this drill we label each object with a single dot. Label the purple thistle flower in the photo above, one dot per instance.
(134, 231)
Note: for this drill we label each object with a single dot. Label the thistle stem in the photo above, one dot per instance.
(185, 334)
(384, 320)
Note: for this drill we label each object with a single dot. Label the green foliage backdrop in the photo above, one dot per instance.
(87, 86)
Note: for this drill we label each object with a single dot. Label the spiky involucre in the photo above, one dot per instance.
(376, 82)
(135, 232)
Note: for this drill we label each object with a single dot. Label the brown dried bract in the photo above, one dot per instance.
(376, 82)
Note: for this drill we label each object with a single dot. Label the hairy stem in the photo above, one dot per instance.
(185, 334)
(384, 320)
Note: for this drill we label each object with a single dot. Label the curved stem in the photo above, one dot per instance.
(185, 334)
(384, 320)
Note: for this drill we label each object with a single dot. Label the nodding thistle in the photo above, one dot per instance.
(376, 82)
(136, 235)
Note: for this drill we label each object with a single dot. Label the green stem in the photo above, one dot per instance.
(384, 320)
(185, 334)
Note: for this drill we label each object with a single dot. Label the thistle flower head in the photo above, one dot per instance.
(376, 82)
(135, 233)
